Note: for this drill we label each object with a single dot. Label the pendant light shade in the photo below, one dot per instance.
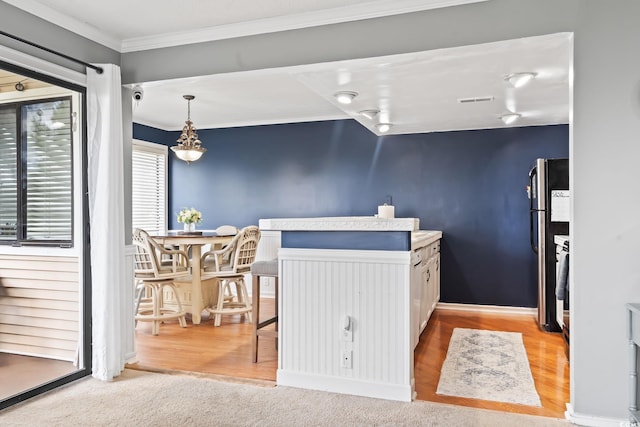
(189, 147)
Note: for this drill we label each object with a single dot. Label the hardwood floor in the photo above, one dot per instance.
(203, 348)
(549, 365)
(226, 351)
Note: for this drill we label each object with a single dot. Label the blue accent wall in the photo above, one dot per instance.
(469, 184)
(356, 240)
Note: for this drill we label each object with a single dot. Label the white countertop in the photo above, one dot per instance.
(422, 238)
(340, 223)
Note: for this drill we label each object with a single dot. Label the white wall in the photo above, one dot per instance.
(605, 233)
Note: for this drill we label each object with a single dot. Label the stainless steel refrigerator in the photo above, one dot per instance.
(549, 216)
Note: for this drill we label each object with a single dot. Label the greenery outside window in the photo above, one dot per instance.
(36, 172)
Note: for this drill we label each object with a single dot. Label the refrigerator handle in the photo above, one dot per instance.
(532, 211)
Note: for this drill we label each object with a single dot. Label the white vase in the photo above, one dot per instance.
(189, 227)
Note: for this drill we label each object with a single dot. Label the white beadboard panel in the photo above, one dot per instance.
(318, 288)
(267, 250)
(40, 313)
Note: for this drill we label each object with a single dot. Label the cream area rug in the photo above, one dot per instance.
(488, 365)
(143, 399)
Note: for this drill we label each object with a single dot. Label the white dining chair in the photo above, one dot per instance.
(156, 268)
(228, 266)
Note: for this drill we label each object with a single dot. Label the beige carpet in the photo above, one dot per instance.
(139, 398)
(489, 365)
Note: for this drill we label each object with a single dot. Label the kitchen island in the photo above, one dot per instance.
(355, 293)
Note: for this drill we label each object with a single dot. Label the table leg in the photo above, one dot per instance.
(196, 290)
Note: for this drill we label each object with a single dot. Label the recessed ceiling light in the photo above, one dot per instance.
(519, 79)
(509, 118)
(383, 127)
(345, 97)
(369, 114)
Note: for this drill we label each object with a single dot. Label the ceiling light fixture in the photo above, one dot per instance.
(519, 79)
(189, 146)
(345, 97)
(369, 114)
(509, 118)
(383, 127)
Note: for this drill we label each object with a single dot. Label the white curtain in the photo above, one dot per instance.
(106, 216)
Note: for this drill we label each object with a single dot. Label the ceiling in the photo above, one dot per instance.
(416, 93)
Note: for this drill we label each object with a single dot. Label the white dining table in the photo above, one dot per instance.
(195, 241)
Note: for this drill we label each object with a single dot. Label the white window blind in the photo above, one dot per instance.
(36, 171)
(48, 170)
(149, 187)
(8, 173)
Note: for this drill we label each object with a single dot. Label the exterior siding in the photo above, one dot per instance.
(39, 306)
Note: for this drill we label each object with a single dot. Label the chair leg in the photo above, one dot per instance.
(139, 292)
(157, 298)
(220, 303)
(242, 289)
(255, 298)
(277, 314)
(182, 320)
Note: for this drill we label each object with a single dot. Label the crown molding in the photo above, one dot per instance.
(355, 12)
(336, 15)
(68, 23)
(234, 124)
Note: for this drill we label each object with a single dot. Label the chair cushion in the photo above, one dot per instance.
(265, 268)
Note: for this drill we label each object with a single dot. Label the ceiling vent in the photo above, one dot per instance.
(474, 100)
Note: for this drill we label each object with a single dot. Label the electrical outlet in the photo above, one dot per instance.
(346, 359)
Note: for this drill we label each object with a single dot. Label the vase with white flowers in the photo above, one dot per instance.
(189, 217)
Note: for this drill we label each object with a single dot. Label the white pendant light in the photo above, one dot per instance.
(189, 146)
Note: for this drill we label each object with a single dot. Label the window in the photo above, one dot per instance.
(36, 172)
(149, 187)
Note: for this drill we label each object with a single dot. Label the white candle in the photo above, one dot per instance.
(386, 211)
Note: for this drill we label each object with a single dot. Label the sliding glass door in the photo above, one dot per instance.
(44, 290)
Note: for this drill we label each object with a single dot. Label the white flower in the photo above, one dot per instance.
(189, 216)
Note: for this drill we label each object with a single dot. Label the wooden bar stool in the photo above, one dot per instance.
(262, 269)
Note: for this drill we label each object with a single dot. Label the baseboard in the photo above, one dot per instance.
(493, 309)
(343, 385)
(592, 420)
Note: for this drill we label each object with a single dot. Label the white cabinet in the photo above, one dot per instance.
(417, 290)
(430, 282)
